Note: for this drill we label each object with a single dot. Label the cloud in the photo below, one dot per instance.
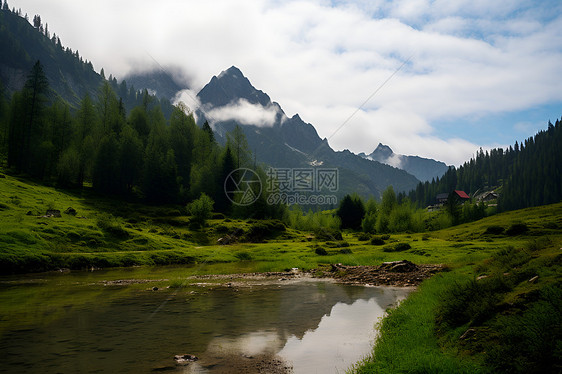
(189, 98)
(323, 59)
(245, 113)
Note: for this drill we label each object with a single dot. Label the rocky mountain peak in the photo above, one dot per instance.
(229, 87)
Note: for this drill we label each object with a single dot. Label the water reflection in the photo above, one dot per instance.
(316, 326)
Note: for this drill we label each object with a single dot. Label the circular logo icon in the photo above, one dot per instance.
(243, 186)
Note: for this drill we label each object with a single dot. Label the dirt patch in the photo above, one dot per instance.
(397, 273)
(249, 364)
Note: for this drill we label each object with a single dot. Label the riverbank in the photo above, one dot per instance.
(401, 273)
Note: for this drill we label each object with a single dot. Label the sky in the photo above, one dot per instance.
(434, 78)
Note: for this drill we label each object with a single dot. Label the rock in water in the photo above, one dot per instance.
(185, 359)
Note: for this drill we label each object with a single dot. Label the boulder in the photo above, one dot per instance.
(70, 211)
(53, 213)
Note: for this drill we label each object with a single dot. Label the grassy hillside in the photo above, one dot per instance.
(500, 312)
(107, 233)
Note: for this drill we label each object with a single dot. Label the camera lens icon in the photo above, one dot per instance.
(243, 186)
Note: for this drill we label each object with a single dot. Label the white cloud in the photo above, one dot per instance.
(470, 58)
(244, 112)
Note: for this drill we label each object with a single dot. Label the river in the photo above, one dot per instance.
(116, 322)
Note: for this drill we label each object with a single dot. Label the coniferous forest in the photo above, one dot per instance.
(528, 173)
(137, 154)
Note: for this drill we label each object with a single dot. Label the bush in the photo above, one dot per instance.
(473, 301)
(243, 256)
(517, 229)
(494, 230)
(345, 251)
(311, 221)
(363, 237)
(262, 230)
(201, 209)
(110, 225)
(399, 247)
(531, 341)
(327, 234)
(377, 241)
(338, 244)
(369, 222)
(320, 251)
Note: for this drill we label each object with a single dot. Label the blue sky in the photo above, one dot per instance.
(481, 73)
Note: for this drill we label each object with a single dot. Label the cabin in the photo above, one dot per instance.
(442, 198)
(487, 196)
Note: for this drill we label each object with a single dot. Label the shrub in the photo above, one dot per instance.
(338, 244)
(262, 230)
(201, 209)
(531, 341)
(473, 301)
(110, 225)
(327, 234)
(218, 216)
(517, 229)
(377, 241)
(243, 256)
(399, 247)
(364, 237)
(494, 230)
(369, 222)
(345, 251)
(320, 251)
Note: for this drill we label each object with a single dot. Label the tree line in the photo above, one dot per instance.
(528, 174)
(137, 153)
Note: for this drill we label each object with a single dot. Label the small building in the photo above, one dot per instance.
(487, 196)
(442, 198)
(462, 194)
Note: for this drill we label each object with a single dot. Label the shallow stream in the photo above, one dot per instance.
(97, 323)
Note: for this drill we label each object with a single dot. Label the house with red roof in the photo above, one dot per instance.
(460, 195)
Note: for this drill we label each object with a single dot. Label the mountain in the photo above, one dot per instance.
(425, 169)
(229, 99)
(22, 45)
(157, 81)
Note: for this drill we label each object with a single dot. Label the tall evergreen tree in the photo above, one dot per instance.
(182, 129)
(26, 125)
(351, 212)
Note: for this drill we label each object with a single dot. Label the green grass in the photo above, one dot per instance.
(507, 302)
(407, 342)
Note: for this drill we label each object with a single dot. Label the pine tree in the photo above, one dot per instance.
(182, 129)
(26, 125)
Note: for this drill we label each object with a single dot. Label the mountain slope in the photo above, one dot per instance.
(425, 169)
(21, 45)
(284, 142)
(157, 81)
